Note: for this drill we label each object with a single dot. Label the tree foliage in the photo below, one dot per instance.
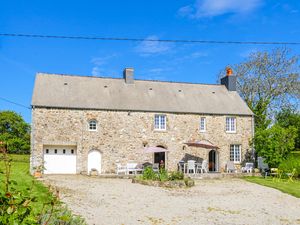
(275, 143)
(15, 132)
(268, 81)
(290, 118)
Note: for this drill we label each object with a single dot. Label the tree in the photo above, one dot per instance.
(268, 81)
(15, 132)
(275, 143)
(290, 118)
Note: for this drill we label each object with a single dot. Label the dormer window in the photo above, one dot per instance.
(92, 125)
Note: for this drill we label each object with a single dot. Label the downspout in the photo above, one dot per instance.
(82, 167)
(253, 133)
(32, 141)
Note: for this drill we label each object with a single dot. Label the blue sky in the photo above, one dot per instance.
(21, 58)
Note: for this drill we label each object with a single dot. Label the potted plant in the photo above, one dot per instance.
(94, 172)
(38, 171)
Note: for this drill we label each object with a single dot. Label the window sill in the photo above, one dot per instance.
(202, 131)
(93, 130)
(230, 132)
(160, 131)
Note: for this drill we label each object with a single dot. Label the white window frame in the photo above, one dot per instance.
(235, 153)
(230, 124)
(96, 125)
(202, 125)
(160, 122)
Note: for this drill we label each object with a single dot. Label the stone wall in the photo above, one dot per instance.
(121, 136)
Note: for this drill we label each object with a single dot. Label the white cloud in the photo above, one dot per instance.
(211, 8)
(96, 71)
(199, 54)
(191, 56)
(99, 62)
(152, 47)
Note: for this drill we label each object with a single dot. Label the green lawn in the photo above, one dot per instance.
(292, 188)
(26, 184)
(20, 174)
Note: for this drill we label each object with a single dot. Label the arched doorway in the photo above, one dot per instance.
(94, 161)
(213, 161)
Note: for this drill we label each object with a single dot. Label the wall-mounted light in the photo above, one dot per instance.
(145, 143)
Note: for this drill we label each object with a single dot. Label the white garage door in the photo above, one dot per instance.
(60, 160)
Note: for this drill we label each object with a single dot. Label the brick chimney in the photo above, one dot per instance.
(128, 75)
(229, 80)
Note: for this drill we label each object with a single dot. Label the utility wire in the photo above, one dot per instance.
(15, 103)
(148, 39)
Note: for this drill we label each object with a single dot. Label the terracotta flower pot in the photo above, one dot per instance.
(37, 174)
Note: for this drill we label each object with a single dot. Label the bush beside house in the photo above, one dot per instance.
(163, 179)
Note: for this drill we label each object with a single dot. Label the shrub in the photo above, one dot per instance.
(149, 174)
(292, 162)
(176, 175)
(17, 203)
(61, 215)
(189, 182)
(163, 175)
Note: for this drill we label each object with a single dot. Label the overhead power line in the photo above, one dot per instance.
(148, 39)
(15, 103)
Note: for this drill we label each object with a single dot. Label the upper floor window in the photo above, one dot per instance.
(92, 125)
(230, 124)
(235, 153)
(202, 124)
(160, 122)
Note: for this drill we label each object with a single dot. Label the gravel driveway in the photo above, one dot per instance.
(228, 201)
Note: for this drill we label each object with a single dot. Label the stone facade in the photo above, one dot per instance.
(122, 135)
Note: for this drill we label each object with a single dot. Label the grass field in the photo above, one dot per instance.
(48, 213)
(20, 174)
(292, 188)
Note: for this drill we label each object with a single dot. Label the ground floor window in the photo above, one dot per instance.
(235, 153)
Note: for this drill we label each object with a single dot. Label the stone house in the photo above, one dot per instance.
(80, 123)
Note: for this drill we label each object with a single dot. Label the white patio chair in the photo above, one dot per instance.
(198, 167)
(191, 166)
(204, 166)
(139, 168)
(155, 167)
(247, 168)
(121, 169)
(131, 168)
(230, 168)
(181, 166)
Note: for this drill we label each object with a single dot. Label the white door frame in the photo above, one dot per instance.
(90, 164)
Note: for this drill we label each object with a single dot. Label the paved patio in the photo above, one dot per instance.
(225, 201)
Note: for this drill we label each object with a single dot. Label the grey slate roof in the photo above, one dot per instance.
(65, 91)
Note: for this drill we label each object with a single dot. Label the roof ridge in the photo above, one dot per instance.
(119, 78)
